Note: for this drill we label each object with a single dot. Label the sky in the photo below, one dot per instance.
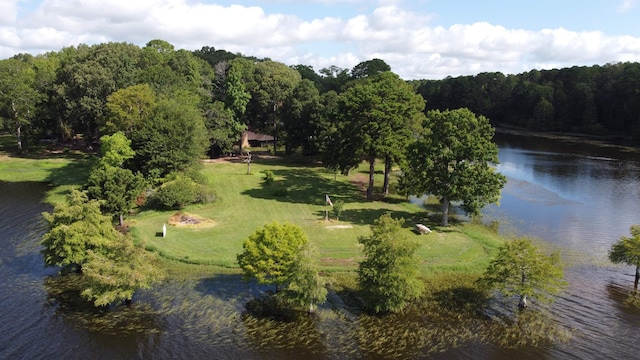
(419, 39)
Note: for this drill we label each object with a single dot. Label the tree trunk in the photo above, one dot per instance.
(121, 220)
(18, 127)
(523, 302)
(635, 282)
(445, 211)
(19, 136)
(523, 298)
(387, 174)
(372, 170)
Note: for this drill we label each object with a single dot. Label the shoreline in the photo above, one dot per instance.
(602, 141)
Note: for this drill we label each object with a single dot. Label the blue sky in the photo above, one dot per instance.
(419, 39)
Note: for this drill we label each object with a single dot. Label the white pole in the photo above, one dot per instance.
(326, 208)
(164, 230)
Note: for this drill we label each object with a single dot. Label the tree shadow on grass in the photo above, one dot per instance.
(304, 186)
(41, 150)
(368, 216)
(73, 173)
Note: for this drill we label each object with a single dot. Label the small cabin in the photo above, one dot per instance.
(251, 139)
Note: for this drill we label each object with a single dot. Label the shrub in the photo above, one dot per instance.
(268, 177)
(338, 206)
(205, 195)
(177, 193)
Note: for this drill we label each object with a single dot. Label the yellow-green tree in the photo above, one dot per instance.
(627, 251)
(388, 276)
(81, 239)
(116, 187)
(75, 227)
(128, 107)
(520, 268)
(278, 255)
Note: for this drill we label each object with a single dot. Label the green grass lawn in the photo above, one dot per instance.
(245, 203)
(63, 170)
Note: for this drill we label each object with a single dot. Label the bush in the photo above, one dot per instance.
(338, 206)
(268, 177)
(205, 195)
(177, 193)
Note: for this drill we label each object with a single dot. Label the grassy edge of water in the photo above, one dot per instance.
(66, 170)
(449, 287)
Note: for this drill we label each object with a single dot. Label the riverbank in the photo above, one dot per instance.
(619, 142)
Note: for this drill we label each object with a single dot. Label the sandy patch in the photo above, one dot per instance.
(331, 227)
(181, 219)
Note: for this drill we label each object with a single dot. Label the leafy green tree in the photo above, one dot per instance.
(520, 268)
(301, 119)
(128, 107)
(306, 287)
(334, 78)
(168, 70)
(75, 228)
(172, 139)
(115, 272)
(238, 83)
(337, 152)
(388, 276)
(274, 84)
(452, 160)
(307, 72)
(18, 97)
(224, 128)
(88, 76)
(627, 251)
(369, 68)
(272, 253)
(115, 149)
(81, 239)
(117, 188)
(379, 116)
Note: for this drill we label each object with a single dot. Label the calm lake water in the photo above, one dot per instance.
(577, 198)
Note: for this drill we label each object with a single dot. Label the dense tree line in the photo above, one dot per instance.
(598, 100)
(156, 110)
(173, 105)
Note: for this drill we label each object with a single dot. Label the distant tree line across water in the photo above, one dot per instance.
(596, 100)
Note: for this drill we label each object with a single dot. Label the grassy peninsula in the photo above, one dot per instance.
(245, 202)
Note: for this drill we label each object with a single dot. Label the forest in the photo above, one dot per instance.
(596, 100)
(82, 92)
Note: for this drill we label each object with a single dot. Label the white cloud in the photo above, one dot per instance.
(626, 5)
(406, 40)
(8, 12)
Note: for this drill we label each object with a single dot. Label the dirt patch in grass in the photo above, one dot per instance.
(361, 181)
(181, 219)
(331, 227)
